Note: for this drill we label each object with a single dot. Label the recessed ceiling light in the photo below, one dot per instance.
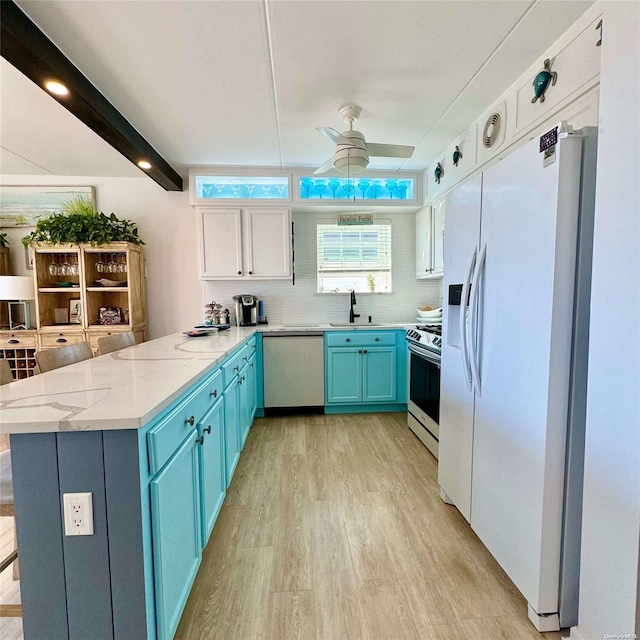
(143, 164)
(57, 88)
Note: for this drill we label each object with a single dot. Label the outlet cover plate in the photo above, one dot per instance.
(78, 514)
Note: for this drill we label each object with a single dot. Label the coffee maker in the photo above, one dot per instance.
(246, 306)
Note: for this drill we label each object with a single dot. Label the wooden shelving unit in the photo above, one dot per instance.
(119, 262)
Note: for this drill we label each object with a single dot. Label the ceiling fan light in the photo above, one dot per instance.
(352, 161)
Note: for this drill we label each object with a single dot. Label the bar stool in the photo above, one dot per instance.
(7, 506)
(115, 342)
(62, 356)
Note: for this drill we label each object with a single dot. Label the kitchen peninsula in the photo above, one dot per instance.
(154, 433)
(141, 430)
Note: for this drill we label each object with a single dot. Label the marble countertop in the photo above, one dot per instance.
(127, 388)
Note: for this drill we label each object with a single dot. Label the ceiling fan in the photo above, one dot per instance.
(352, 152)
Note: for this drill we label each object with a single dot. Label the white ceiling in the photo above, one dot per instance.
(246, 82)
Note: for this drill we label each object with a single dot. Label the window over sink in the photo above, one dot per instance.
(354, 257)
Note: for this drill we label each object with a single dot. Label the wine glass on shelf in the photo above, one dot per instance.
(219, 187)
(122, 263)
(402, 190)
(348, 188)
(100, 266)
(250, 188)
(391, 187)
(65, 267)
(112, 267)
(266, 190)
(375, 189)
(74, 266)
(321, 187)
(53, 266)
(235, 189)
(363, 185)
(307, 185)
(280, 186)
(333, 185)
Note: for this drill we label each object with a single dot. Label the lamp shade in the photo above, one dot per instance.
(16, 288)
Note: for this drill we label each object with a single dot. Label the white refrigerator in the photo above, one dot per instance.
(513, 380)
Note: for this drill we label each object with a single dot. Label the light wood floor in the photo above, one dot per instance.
(10, 628)
(333, 529)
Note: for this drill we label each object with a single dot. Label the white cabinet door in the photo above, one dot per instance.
(267, 243)
(437, 226)
(220, 243)
(423, 242)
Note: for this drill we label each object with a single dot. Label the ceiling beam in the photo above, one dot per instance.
(29, 50)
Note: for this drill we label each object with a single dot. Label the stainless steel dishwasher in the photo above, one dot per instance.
(293, 371)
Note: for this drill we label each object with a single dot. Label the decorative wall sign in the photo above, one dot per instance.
(24, 206)
(438, 173)
(457, 156)
(548, 139)
(542, 80)
(355, 219)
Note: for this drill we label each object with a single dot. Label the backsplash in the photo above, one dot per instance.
(285, 303)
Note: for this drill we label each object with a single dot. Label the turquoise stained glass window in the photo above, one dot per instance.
(360, 189)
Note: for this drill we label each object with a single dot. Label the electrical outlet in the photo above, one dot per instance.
(78, 514)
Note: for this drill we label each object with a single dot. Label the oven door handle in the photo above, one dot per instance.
(464, 350)
(433, 359)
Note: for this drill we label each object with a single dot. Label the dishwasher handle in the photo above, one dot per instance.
(292, 334)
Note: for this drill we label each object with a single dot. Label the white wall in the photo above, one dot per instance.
(286, 303)
(611, 512)
(167, 225)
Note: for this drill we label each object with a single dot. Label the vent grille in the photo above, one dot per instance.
(491, 133)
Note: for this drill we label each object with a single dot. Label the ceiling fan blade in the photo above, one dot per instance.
(325, 167)
(332, 134)
(390, 150)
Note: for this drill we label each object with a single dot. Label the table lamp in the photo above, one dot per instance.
(16, 290)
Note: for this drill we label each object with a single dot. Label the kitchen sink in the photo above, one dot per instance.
(354, 325)
(289, 326)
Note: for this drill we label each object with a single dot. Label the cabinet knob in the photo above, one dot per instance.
(240, 380)
(377, 339)
(14, 341)
(214, 393)
(190, 421)
(239, 273)
(365, 351)
(236, 368)
(359, 350)
(61, 340)
(207, 430)
(348, 340)
(426, 270)
(200, 440)
(250, 273)
(245, 358)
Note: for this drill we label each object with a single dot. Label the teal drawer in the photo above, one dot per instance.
(236, 362)
(360, 338)
(166, 436)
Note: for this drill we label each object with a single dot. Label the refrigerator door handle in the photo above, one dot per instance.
(473, 325)
(464, 351)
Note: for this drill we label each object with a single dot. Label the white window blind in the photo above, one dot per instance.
(354, 257)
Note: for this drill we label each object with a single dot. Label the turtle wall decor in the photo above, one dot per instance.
(439, 172)
(457, 156)
(542, 80)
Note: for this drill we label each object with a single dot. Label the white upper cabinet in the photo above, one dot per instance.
(430, 241)
(244, 244)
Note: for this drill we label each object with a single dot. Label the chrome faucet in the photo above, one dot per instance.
(352, 315)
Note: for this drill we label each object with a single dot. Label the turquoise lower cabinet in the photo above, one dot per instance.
(213, 476)
(177, 530)
(343, 367)
(365, 371)
(244, 403)
(379, 374)
(232, 443)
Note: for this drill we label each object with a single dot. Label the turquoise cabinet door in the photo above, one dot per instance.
(213, 474)
(253, 387)
(344, 375)
(244, 381)
(176, 529)
(379, 374)
(231, 428)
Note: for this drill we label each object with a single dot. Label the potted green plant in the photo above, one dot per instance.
(371, 283)
(78, 223)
